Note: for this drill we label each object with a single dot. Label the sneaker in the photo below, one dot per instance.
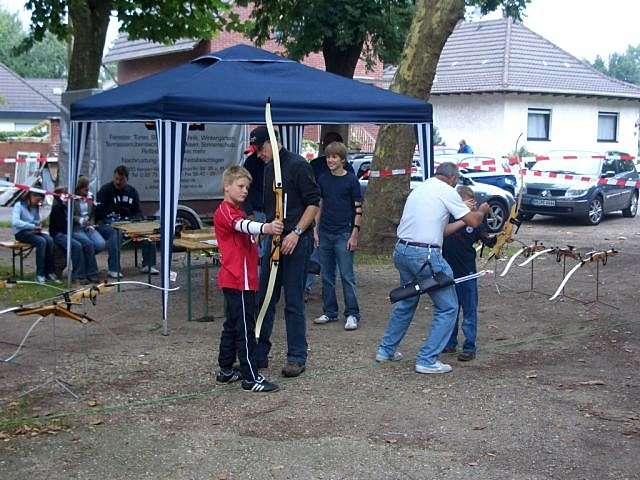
(351, 323)
(228, 375)
(437, 367)
(115, 275)
(380, 358)
(52, 277)
(450, 350)
(261, 384)
(40, 279)
(94, 279)
(324, 319)
(149, 270)
(293, 369)
(466, 356)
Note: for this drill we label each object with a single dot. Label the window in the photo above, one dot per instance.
(538, 124)
(607, 127)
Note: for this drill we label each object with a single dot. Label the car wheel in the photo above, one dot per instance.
(596, 211)
(632, 209)
(186, 220)
(526, 216)
(497, 215)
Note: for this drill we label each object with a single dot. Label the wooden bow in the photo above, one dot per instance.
(279, 215)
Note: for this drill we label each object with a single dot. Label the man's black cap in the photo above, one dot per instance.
(257, 137)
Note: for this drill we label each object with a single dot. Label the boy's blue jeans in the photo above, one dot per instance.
(408, 260)
(333, 250)
(468, 303)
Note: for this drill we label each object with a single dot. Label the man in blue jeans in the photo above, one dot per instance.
(301, 199)
(420, 234)
(336, 235)
(460, 254)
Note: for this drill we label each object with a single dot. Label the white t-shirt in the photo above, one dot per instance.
(426, 213)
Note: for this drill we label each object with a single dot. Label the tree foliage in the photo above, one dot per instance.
(85, 22)
(623, 66)
(342, 29)
(47, 58)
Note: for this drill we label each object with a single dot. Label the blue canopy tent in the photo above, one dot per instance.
(231, 87)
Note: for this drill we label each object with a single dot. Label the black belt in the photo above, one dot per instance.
(418, 244)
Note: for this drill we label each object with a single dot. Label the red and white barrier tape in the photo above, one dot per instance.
(538, 158)
(581, 178)
(63, 196)
(391, 172)
(25, 159)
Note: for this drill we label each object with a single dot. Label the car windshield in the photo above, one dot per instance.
(579, 166)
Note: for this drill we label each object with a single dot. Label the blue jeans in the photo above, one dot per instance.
(311, 278)
(83, 257)
(291, 277)
(43, 244)
(110, 236)
(333, 249)
(408, 261)
(468, 303)
(84, 235)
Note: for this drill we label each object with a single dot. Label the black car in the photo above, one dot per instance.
(586, 188)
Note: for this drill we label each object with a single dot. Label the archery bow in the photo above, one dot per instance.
(590, 257)
(279, 215)
(526, 251)
(514, 221)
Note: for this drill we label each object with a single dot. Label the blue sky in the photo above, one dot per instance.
(584, 28)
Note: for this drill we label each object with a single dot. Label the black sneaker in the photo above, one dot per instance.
(466, 356)
(449, 350)
(261, 384)
(228, 375)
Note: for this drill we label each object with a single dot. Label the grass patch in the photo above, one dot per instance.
(363, 258)
(19, 294)
(5, 224)
(16, 420)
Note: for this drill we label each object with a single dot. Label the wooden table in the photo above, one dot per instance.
(196, 244)
(145, 231)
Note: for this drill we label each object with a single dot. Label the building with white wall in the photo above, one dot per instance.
(497, 80)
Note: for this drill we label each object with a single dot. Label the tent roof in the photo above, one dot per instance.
(232, 86)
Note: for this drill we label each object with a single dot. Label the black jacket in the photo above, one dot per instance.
(299, 187)
(123, 204)
(58, 218)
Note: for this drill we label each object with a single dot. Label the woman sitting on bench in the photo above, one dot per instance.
(27, 228)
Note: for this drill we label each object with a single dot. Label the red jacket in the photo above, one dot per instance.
(238, 251)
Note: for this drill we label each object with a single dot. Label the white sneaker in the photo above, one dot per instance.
(115, 275)
(324, 319)
(351, 323)
(437, 367)
(40, 279)
(380, 358)
(151, 270)
(52, 277)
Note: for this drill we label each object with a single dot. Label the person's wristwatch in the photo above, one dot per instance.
(298, 231)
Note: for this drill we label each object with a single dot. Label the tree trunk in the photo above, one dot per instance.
(341, 61)
(90, 20)
(433, 22)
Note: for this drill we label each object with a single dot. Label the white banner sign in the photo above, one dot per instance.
(207, 154)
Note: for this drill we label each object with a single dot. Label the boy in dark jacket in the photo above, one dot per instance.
(460, 254)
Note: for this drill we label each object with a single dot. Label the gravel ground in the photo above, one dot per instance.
(553, 393)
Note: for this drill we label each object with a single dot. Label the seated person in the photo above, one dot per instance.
(119, 201)
(27, 228)
(83, 256)
(83, 212)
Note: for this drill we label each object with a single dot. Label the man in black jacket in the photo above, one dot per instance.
(301, 200)
(119, 201)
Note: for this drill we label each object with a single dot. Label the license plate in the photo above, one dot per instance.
(543, 202)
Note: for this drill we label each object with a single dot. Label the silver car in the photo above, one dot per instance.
(498, 199)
